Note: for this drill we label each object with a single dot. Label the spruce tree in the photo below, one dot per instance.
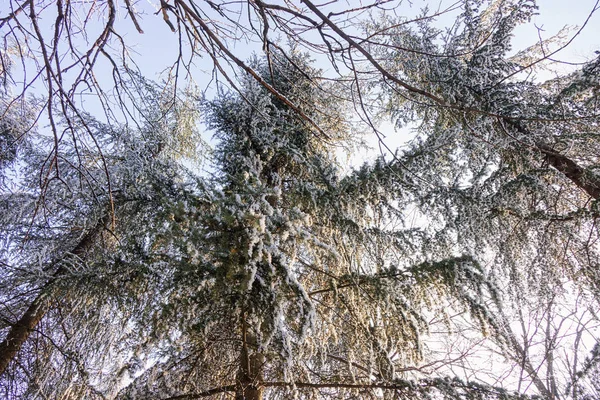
(295, 280)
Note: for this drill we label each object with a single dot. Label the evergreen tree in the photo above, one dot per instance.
(507, 165)
(277, 277)
(291, 285)
(63, 283)
(127, 276)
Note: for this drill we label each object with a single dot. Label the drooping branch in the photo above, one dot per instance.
(406, 387)
(194, 17)
(20, 331)
(207, 393)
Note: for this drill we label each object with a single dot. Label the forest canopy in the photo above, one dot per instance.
(139, 260)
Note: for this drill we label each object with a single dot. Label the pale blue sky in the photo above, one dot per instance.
(157, 48)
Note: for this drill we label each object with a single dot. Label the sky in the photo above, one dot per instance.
(156, 49)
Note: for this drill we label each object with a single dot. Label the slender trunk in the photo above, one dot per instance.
(249, 385)
(522, 358)
(20, 331)
(518, 352)
(550, 346)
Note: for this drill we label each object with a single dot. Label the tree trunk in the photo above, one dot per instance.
(586, 181)
(20, 331)
(570, 169)
(249, 385)
(249, 392)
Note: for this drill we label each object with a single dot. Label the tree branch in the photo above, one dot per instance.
(20, 331)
